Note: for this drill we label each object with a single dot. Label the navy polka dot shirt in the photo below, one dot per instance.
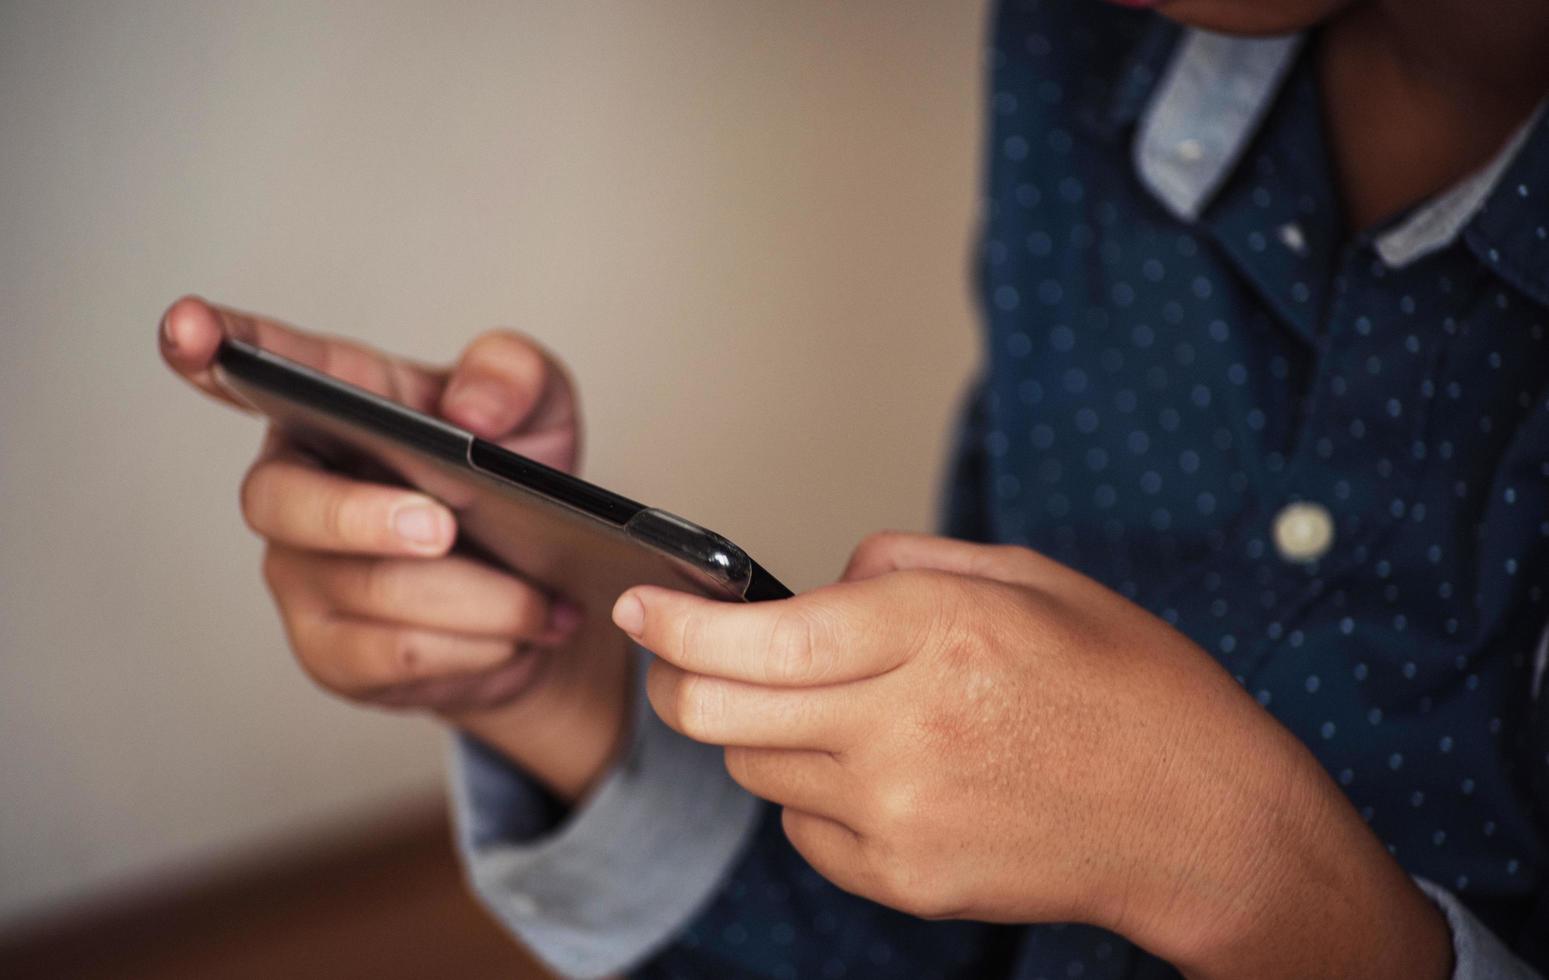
(1324, 456)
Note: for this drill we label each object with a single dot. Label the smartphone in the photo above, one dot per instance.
(568, 536)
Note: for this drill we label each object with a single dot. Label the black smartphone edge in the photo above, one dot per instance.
(450, 444)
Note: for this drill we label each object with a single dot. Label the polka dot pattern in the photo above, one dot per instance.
(1155, 395)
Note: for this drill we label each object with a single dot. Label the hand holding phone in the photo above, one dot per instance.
(376, 606)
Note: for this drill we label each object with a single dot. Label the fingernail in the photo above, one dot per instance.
(564, 616)
(629, 614)
(166, 334)
(419, 524)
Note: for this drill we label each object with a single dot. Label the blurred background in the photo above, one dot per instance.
(744, 225)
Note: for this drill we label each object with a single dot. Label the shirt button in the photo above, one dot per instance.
(1303, 531)
(1190, 151)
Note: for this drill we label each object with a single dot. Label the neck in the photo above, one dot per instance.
(1420, 93)
(1487, 54)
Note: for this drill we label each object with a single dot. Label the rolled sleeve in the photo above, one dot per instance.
(1477, 953)
(603, 888)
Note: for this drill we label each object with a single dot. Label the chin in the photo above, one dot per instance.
(1252, 18)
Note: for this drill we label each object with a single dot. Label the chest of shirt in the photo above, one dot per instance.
(1329, 472)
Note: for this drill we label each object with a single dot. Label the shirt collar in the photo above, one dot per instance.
(1510, 232)
(1202, 114)
(1436, 223)
(1216, 89)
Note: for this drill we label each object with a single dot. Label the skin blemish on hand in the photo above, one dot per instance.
(978, 685)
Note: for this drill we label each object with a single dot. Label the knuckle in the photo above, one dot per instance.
(253, 497)
(317, 673)
(871, 554)
(920, 585)
(792, 644)
(879, 543)
(529, 611)
(793, 824)
(406, 658)
(380, 584)
(892, 876)
(1005, 555)
(896, 807)
(693, 636)
(317, 660)
(740, 766)
(353, 517)
(942, 598)
(333, 516)
(908, 884)
(699, 706)
(925, 581)
(920, 895)
(960, 651)
(275, 566)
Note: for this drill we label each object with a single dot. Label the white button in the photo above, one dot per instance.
(1291, 237)
(1190, 151)
(1303, 532)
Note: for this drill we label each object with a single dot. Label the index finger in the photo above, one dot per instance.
(828, 636)
(192, 330)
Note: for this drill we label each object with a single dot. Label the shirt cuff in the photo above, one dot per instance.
(1478, 954)
(610, 884)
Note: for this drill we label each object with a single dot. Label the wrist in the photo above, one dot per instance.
(567, 733)
(1293, 883)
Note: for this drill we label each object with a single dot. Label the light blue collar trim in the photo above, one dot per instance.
(1210, 101)
(1437, 223)
(1204, 111)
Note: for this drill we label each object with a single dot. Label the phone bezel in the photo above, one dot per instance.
(676, 538)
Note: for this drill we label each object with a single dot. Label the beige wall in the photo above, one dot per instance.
(744, 224)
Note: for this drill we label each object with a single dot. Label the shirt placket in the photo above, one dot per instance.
(1354, 464)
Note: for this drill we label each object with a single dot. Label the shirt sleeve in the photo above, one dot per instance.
(1477, 953)
(599, 890)
(963, 514)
